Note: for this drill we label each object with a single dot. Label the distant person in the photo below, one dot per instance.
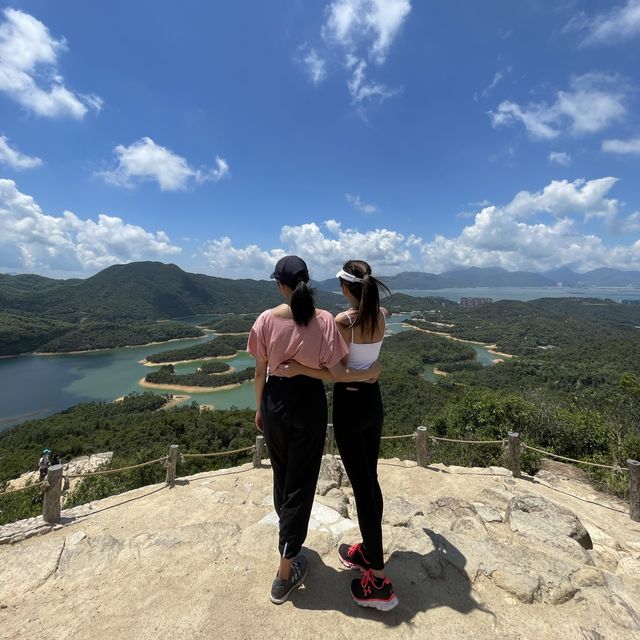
(43, 463)
(292, 412)
(357, 422)
(57, 459)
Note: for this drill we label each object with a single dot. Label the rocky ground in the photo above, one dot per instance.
(472, 553)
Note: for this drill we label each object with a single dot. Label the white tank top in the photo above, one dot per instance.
(362, 356)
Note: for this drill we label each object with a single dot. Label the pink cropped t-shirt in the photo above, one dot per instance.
(277, 340)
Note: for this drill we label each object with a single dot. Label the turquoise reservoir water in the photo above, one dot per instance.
(36, 386)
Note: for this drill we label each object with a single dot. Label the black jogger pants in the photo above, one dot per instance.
(294, 418)
(357, 423)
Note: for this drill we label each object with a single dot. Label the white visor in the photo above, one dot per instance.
(348, 276)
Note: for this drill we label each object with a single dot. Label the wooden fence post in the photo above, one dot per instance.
(634, 489)
(514, 453)
(423, 457)
(172, 460)
(258, 454)
(52, 490)
(330, 441)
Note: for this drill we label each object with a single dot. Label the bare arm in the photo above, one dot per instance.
(339, 373)
(259, 380)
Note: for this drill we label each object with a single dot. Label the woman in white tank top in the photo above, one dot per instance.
(357, 422)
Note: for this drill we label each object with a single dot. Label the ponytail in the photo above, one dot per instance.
(302, 305)
(367, 293)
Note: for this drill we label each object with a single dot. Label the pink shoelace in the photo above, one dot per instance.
(368, 582)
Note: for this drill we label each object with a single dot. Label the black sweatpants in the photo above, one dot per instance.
(357, 423)
(294, 418)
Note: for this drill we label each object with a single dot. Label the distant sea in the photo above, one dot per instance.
(616, 294)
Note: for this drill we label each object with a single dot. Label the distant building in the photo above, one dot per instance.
(625, 301)
(471, 303)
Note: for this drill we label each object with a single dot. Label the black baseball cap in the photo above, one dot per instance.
(290, 270)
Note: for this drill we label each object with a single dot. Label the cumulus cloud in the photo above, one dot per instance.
(325, 248)
(14, 158)
(314, 66)
(593, 102)
(145, 161)
(516, 236)
(622, 146)
(33, 239)
(29, 69)
(620, 24)
(358, 203)
(560, 157)
(535, 231)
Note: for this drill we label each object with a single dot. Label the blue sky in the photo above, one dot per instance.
(416, 135)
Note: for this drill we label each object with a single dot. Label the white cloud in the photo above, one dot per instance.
(374, 22)
(362, 90)
(631, 224)
(536, 231)
(251, 261)
(14, 158)
(28, 69)
(358, 203)
(620, 24)
(363, 30)
(515, 237)
(324, 250)
(593, 102)
(314, 66)
(498, 76)
(622, 146)
(32, 239)
(560, 157)
(145, 161)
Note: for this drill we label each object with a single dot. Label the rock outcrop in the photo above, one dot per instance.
(472, 553)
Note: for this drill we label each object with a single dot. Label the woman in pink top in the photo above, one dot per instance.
(292, 412)
(358, 417)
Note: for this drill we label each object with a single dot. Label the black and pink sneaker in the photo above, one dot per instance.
(370, 591)
(353, 557)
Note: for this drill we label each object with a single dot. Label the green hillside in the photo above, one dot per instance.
(123, 303)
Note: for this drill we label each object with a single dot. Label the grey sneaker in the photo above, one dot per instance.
(282, 589)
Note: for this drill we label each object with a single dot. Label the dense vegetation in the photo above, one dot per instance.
(105, 335)
(578, 396)
(524, 328)
(166, 375)
(222, 346)
(214, 366)
(231, 324)
(135, 431)
(43, 314)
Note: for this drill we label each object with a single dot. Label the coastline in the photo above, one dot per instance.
(491, 348)
(168, 387)
(146, 363)
(126, 346)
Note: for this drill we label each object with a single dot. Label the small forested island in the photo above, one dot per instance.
(224, 346)
(205, 379)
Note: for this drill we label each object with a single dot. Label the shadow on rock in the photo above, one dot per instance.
(421, 581)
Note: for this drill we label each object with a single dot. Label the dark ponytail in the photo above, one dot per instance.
(367, 293)
(302, 305)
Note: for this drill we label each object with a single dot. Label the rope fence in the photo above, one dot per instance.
(52, 486)
(438, 439)
(617, 468)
